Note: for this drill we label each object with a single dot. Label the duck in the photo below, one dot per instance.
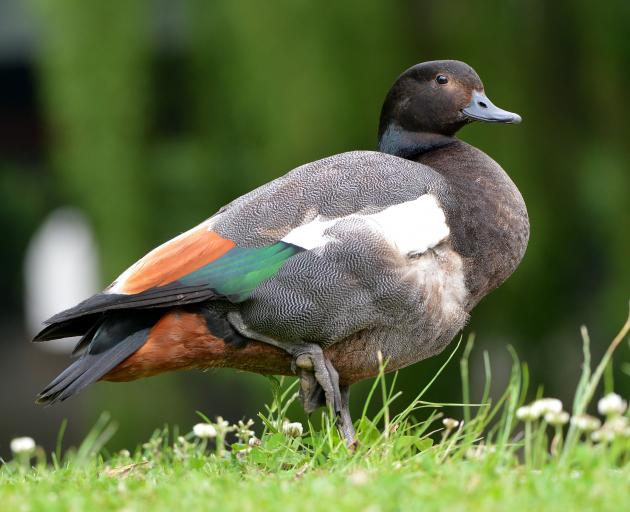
(327, 271)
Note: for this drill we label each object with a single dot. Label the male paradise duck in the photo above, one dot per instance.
(322, 269)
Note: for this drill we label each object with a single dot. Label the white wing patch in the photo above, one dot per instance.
(413, 226)
(311, 235)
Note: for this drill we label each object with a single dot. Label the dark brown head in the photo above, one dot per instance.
(431, 101)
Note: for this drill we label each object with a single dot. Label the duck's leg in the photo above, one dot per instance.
(345, 420)
(319, 381)
(313, 393)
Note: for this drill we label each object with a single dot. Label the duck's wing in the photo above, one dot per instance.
(246, 242)
(197, 266)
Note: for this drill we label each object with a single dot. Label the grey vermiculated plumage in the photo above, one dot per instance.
(353, 182)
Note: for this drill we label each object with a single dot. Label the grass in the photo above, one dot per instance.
(492, 460)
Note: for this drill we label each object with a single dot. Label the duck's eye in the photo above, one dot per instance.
(441, 79)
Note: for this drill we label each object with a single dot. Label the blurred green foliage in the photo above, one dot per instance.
(151, 134)
(94, 64)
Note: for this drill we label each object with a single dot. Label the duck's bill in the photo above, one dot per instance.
(481, 108)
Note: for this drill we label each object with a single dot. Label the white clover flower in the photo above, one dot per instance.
(243, 432)
(526, 413)
(557, 418)
(292, 429)
(479, 451)
(612, 405)
(474, 452)
(359, 477)
(223, 426)
(204, 431)
(22, 445)
(450, 423)
(585, 422)
(617, 424)
(603, 435)
(544, 405)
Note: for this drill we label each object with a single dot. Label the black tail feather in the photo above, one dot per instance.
(89, 368)
(68, 328)
(112, 341)
(172, 294)
(85, 340)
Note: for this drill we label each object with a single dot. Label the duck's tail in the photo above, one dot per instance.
(126, 345)
(111, 340)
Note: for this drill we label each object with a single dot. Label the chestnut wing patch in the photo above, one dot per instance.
(172, 260)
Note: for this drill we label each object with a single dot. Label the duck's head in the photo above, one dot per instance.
(429, 102)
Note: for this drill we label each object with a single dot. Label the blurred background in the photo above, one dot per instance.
(125, 123)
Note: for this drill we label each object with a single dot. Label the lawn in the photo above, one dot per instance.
(509, 455)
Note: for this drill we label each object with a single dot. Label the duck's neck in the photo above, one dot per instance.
(397, 141)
